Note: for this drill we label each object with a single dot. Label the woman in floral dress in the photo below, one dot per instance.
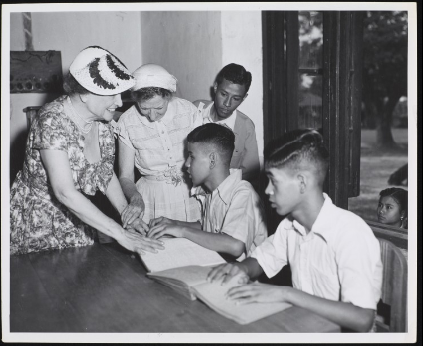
(70, 154)
(152, 136)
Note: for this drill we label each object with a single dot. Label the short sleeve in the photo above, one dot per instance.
(50, 133)
(244, 220)
(239, 220)
(272, 253)
(121, 131)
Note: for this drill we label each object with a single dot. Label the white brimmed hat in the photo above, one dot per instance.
(101, 72)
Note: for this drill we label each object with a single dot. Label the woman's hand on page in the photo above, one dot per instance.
(234, 272)
(134, 210)
(139, 226)
(257, 293)
(164, 226)
(136, 242)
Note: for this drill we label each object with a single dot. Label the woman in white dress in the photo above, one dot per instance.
(152, 136)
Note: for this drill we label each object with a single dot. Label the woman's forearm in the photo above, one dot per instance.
(90, 214)
(115, 195)
(126, 171)
(129, 188)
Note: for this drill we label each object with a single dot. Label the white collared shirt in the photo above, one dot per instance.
(229, 122)
(234, 208)
(339, 259)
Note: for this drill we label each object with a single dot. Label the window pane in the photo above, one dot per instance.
(310, 39)
(310, 34)
(309, 101)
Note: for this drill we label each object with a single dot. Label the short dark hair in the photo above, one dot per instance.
(399, 195)
(72, 87)
(236, 74)
(219, 136)
(148, 93)
(298, 149)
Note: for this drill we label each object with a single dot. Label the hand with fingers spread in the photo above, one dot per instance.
(234, 272)
(133, 211)
(136, 242)
(164, 226)
(257, 293)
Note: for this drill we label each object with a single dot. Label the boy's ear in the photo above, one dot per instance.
(245, 96)
(212, 159)
(215, 87)
(302, 181)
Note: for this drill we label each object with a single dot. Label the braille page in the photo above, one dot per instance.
(189, 275)
(180, 252)
(213, 294)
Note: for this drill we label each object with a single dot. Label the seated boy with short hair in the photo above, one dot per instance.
(232, 213)
(334, 256)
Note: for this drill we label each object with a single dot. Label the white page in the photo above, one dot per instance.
(189, 275)
(180, 252)
(213, 294)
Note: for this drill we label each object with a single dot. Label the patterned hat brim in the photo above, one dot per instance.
(100, 72)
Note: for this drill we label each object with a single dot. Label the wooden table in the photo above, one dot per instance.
(103, 288)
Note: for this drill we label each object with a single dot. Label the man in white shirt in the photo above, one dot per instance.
(230, 90)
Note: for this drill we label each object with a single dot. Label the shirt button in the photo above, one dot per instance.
(162, 132)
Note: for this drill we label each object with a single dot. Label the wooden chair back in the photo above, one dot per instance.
(394, 289)
(31, 113)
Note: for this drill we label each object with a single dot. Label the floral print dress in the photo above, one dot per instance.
(38, 220)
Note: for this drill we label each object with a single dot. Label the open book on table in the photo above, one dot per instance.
(186, 268)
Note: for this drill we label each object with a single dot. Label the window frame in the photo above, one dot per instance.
(341, 128)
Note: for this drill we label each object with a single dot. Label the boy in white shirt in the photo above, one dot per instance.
(334, 256)
(232, 213)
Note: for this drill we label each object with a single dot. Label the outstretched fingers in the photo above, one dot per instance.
(242, 294)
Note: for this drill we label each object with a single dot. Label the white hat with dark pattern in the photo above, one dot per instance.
(101, 72)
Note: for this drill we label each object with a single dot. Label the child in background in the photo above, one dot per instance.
(392, 207)
(334, 256)
(232, 212)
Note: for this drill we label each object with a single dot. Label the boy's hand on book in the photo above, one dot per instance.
(229, 272)
(257, 293)
(164, 226)
(157, 221)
